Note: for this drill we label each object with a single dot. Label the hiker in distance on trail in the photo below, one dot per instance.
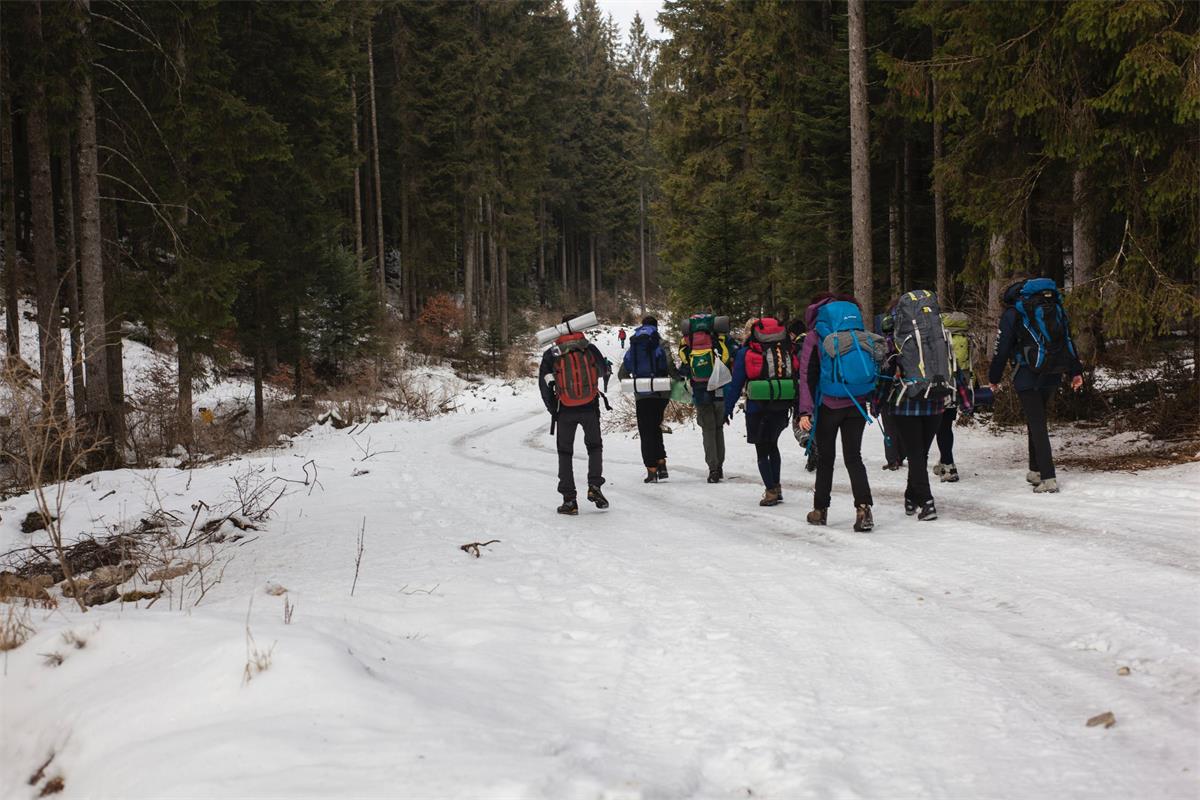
(706, 354)
(651, 370)
(569, 380)
(1035, 336)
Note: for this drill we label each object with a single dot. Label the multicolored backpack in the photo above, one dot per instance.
(704, 344)
(771, 362)
(576, 373)
(1046, 346)
(923, 347)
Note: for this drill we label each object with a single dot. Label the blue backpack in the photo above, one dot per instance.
(1045, 339)
(644, 350)
(849, 365)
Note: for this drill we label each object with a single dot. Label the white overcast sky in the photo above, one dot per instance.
(623, 10)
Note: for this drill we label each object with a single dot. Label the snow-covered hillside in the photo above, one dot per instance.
(684, 643)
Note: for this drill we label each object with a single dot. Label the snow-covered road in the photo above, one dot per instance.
(684, 643)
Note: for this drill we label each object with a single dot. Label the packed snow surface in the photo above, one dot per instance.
(686, 643)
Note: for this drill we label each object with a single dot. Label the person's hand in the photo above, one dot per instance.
(1076, 383)
(728, 418)
(805, 423)
(995, 387)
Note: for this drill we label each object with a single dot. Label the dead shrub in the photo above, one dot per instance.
(15, 628)
(439, 324)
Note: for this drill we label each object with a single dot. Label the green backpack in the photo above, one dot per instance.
(958, 325)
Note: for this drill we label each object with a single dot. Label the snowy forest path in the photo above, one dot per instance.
(754, 616)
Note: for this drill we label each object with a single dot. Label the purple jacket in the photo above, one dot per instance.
(810, 369)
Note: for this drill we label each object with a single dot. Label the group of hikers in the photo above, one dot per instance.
(827, 376)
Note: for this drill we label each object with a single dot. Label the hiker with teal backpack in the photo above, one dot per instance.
(923, 384)
(645, 360)
(767, 368)
(962, 349)
(706, 353)
(839, 365)
(1035, 335)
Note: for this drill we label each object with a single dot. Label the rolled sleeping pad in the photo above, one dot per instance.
(646, 385)
(772, 389)
(580, 323)
(720, 325)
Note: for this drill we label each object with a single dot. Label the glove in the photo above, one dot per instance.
(728, 418)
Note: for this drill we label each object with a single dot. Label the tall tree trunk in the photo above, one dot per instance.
(563, 262)
(8, 188)
(357, 154)
(91, 262)
(831, 254)
(1083, 258)
(70, 272)
(997, 273)
(45, 251)
(592, 266)
(894, 234)
(906, 262)
(939, 211)
(468, 229)
(408, 271)
(541, 258)
(642, 238)
(493, 264)
(860, 160)
(504, 294)
(184, 361)
(380, 265)
(112, 346)
(259, 316)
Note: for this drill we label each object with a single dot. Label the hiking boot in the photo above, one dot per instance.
(1048, 486)
(950, 474)
(770, 497)
(662, 469)
(714, 476)
(651, 475)
(1033, 477)
(721, 473)
(928, 512)
(569, 507)
(595, 496)
(938, 469)
(817, 516)
(910, 507)
(893, 465)
(810, 463)
(779, 492)
(863, 520)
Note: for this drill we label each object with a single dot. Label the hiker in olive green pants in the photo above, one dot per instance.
(710, 406)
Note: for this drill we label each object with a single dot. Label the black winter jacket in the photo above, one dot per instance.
(1008, 344)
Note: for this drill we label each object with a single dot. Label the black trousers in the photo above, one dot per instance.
(893, 448)
(1034, 403)
(650, 412)
(945, 436)
(569, 419)
(850, 423)
(918, 433)
(763, 430)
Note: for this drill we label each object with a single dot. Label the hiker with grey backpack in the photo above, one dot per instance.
(922, 386)
(1035, 336)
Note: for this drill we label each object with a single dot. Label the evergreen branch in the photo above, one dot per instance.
(149, 116)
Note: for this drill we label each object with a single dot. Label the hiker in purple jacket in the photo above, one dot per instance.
(837, 414)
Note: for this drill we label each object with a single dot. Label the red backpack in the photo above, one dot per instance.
(576, 373)
(771, 353)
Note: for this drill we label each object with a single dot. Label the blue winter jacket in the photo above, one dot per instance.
(1008, 344)
(662, 366)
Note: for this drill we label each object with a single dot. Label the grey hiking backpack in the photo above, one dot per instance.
(924, 353)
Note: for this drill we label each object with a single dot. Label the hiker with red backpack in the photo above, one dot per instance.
(839, 366)
(923, 384)
(706, 353)
(1035, 335)
(569, 379)
(767, 368)
(621, 337)
(645, 360)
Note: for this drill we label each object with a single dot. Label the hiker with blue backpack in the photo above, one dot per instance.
(767, 368)
(1035, 336)
(839, 364)
(645, 360)
(706, 353)
(922, 385)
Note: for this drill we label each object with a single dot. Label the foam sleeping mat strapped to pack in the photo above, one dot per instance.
(580, 323)
(643, 385)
